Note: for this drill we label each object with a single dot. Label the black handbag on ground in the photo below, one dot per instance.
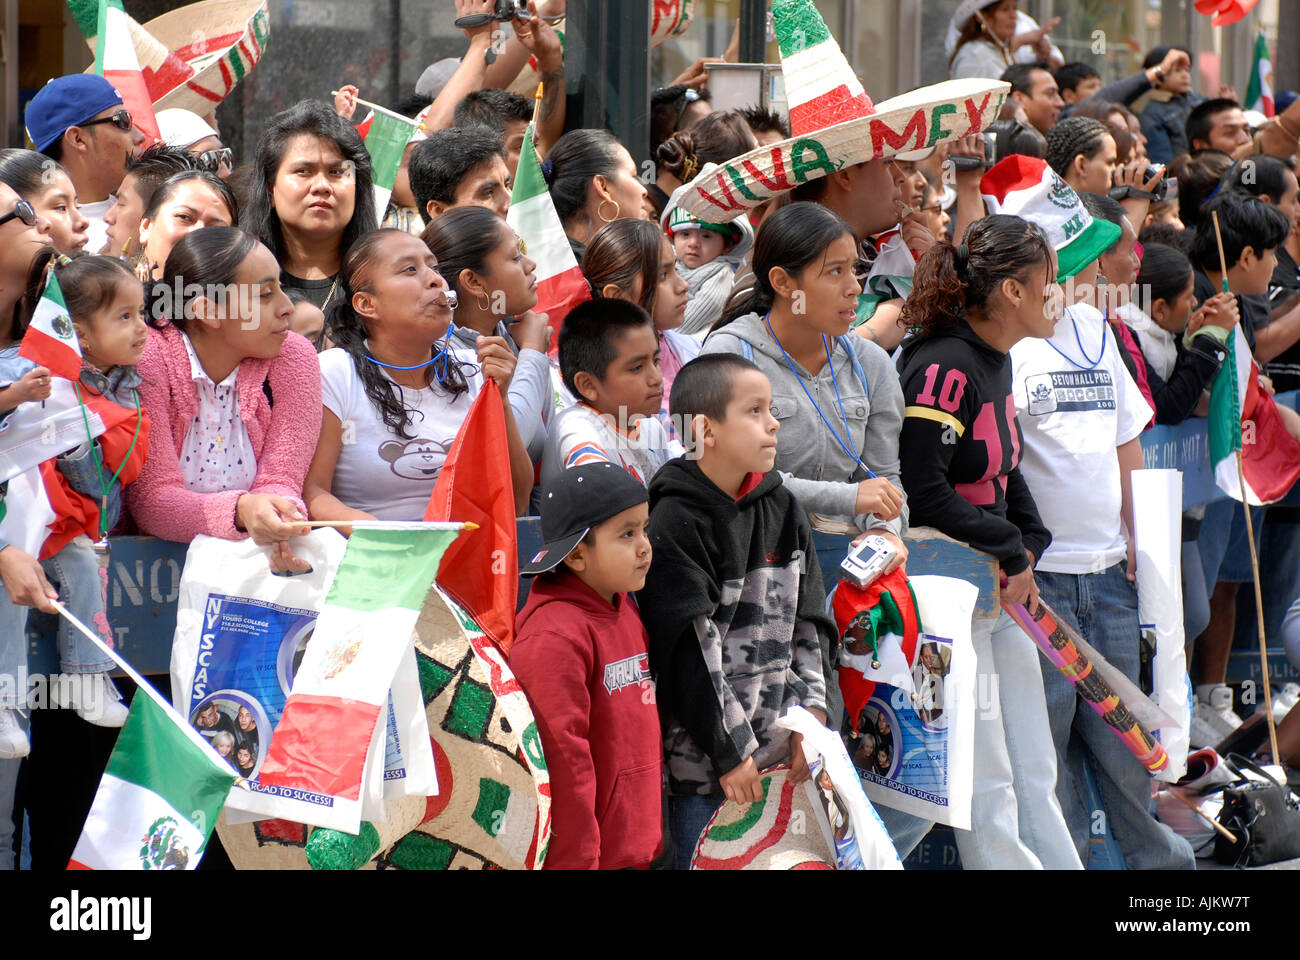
(1264, 816)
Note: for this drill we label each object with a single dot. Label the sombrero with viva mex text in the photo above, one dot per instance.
(834, 122)
(1027, 187)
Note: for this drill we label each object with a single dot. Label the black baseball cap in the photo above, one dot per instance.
(574, 502)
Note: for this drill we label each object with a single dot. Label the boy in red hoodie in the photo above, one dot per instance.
(580, 655)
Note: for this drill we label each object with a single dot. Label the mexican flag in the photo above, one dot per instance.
(51, 340)
(34, 432)
(159, 798)
(162, 69)
(386, 135)
(560, 283)
(1259, 92)
(116, 62)
(1244, 419)
(481, 572)
(883, 617)
(329, 719)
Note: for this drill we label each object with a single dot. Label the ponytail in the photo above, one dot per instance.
(950, 280)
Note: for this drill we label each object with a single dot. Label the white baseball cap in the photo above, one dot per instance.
(182, 129)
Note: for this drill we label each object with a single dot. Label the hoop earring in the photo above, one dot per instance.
(484, 303)
(617, 210)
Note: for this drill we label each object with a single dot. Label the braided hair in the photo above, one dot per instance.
(347, 329)
(1073, 136)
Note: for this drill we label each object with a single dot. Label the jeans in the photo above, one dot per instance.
(687, 818)
(1103, 608)
(74, 572)
(1016, 819)
(8, 788)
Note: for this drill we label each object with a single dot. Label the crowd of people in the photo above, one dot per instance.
(971, 337)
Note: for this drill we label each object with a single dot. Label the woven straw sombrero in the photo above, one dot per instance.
(779, 832)
(191, 58)
(492, 810)
(835, 123)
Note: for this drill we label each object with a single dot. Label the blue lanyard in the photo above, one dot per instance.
(798, 379)
(442, 355)
(1092, 364)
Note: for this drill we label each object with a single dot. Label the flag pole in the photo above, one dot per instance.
(537, 109)
(384, 110)
(1250, 530)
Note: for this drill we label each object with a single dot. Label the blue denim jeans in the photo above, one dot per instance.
(1103, 608)
(687, 818)
(74, 572)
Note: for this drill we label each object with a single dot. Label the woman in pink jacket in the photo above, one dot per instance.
(234, 397)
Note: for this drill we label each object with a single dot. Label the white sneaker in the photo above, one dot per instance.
(13, 742)
(93, 696)
(1283, 701)
(1212, 716)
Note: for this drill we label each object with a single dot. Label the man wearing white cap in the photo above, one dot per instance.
(189, 132)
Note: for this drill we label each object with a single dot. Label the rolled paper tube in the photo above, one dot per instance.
(1055, 643)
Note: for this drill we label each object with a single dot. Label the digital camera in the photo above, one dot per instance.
(867, 560)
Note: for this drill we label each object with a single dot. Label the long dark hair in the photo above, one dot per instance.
(944, 289)
(1165, 272)
(202, 264)
(792, 238)
(973, 29)
(347, 329)
(576, 158)
(315, 119)
(619, 253)
(463, 238)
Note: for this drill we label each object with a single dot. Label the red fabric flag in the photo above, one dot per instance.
(481, 571)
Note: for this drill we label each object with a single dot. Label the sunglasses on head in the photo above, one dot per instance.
(214, 160)
(121, 120)
(691, 95)
(23, 211)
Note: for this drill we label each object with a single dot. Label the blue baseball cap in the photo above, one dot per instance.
(67, 102)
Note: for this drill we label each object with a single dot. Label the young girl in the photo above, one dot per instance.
(961, 448)
(234, 396)
(484, 263)
(634, 260)
(838, 395)
(1179, 368)
(84, 484)
(394, 389)
(48, 188)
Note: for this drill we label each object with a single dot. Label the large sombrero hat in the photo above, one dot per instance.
(492, 810)
(192, 57)
(1027, 187)
(835, 123)
(776, 833)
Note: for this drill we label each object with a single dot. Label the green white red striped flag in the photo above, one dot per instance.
(116, 62)
(162, 791)
(51, 340)
(1259, 92)
(159, 798)
(325, 732)
(1243, 417)
(560, 283)
(386, 135)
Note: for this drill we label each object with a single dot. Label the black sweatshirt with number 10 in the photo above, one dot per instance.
(960, 447)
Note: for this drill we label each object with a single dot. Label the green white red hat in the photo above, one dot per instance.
(1027, 187)
(834, 123)
(678, 219)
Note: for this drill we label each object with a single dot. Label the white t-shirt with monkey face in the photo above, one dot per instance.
(378, 471)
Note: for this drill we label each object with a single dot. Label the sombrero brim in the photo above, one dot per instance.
(232, 36)
(776, 833)
(918, 119)
(1095, 240)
